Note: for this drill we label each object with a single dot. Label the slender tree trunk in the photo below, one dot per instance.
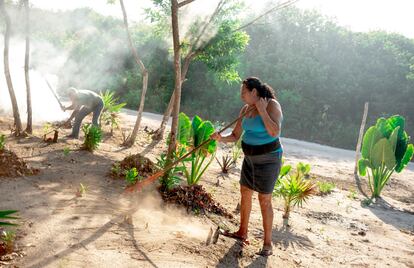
(159, 134)
(29, 128)
(130, 141)
(16, 114)
(177, 87)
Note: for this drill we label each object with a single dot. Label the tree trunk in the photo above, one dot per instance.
(358, 149)
(16, 114)
(130, 141)
(29, 128)
(159, 134)
(177, 87)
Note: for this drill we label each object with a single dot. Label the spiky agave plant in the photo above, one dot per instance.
(5, 215)
(294, 188)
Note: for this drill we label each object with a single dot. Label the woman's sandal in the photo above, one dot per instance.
(265, 252)
(236, 236)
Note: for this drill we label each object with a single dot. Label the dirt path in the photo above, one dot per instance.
(59, 229)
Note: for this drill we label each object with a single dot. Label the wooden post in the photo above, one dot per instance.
(358, 148)
(361, 134)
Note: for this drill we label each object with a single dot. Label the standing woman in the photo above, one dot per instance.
(263, 153)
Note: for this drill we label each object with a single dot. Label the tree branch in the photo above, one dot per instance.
(276, 8)
(131, 45)
(185, 2)
(216, 11)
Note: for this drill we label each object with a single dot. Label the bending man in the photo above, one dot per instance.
(84, 102)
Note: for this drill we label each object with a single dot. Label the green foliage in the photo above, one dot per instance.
(236, 151)
(116, 169)
(292, 51)
(293, 187)
(220, 51)
(172, 177)
(5, 215)
(385, 149)
(8, 238)
(132, 176)
(2, 141)
(93, 137)
(47, 127)
(81, 190)
(221, 54)
(325, 187)
(111, 110)
(352, 194)
(66, 151)
(190, 138)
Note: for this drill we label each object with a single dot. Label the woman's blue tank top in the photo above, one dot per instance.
(255, 132)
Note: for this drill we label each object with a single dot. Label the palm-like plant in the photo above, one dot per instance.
(111, 110)
(293, 187)
(5, 215)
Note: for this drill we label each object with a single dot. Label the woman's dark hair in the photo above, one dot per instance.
(263, 89)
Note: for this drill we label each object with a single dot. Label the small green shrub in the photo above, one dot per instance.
(116, 169)
(172, 177)
(293, 187)
(131, 176)
(66, 151)
(111, 110)
(325, 187)
(82, 190)
(8, 238)
(93, 137)
(352, 194)
(2, 141)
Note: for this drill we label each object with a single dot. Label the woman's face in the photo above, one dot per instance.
(249, 97)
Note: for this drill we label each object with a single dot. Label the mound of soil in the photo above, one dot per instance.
(195, 199)
(13, 166)
(144, 166)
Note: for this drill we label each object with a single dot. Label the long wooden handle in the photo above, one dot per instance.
(54, 94)
(139, 185)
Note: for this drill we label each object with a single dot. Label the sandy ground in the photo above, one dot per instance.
(59, 229)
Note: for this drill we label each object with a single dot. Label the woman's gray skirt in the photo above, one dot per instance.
(260, 172)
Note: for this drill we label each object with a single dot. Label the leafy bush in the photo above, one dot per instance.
(171, 178)
(293, 187)
(111, 110)
(66, 151)
(2, 141)
(5, 215)
(325, 187)
(385, 149)
(190, 135)
(131, 176)
(93, 136)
